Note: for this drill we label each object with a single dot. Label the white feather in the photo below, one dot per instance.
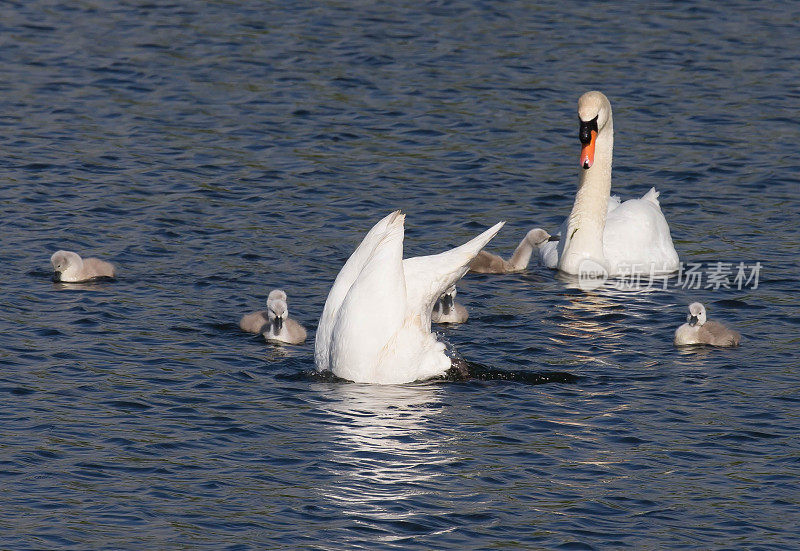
(378, 329)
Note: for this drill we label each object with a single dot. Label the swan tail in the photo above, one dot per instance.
(373, 309)
(341, 285)
(427, 277)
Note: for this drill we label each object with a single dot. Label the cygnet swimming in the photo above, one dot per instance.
(281, 327)
(257, 322)
(69, 267)
(488, 263)
(274, 322)
(699, 330)
(446, 310)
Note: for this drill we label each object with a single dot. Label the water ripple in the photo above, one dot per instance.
(213, 152)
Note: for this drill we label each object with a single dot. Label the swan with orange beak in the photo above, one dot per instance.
(602, 235)
(588, 138)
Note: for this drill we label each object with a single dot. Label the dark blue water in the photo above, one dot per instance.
(214, 151)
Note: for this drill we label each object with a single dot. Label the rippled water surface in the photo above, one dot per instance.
(214, 151)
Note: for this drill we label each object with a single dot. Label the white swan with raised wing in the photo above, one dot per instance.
(376, 323)
(629, 237)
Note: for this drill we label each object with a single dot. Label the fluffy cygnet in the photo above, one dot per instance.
(257, 322)
(699, 330)
(281, 327)
(446, 310)
(488, 263)
(69, 267)
(274, 322)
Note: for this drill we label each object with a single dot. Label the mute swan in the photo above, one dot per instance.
(376, 323)
(69, 267)
(697, 330)
(447, 310)
(274, 322)
(600, 232)
(488, 263)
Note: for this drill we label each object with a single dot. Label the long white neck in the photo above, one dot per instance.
(587, 221)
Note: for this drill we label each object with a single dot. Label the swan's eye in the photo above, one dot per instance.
(585, 133)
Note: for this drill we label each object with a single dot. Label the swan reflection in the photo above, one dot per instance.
(381, 449)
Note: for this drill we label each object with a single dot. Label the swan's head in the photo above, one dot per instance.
(276, 294)
(277, 312)
(65, 263)
(594, 111)
(277, 309)
(447, 300)
(537, 236)
(697, 314)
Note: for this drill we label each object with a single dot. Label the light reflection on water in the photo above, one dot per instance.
(380, 451)
(213, 151)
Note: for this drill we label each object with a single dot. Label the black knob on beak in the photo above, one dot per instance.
(585, 132)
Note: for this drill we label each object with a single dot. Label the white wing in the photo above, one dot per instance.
(427, 277)
(373, 310)
(637, 237)
(379, 331)
(344, 280)
(636, 234)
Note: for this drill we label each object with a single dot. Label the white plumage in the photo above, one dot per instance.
(376, 323)
(620, 237)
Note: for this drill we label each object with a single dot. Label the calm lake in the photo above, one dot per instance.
(214, 151)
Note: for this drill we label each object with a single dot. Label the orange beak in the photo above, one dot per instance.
(587, 151)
